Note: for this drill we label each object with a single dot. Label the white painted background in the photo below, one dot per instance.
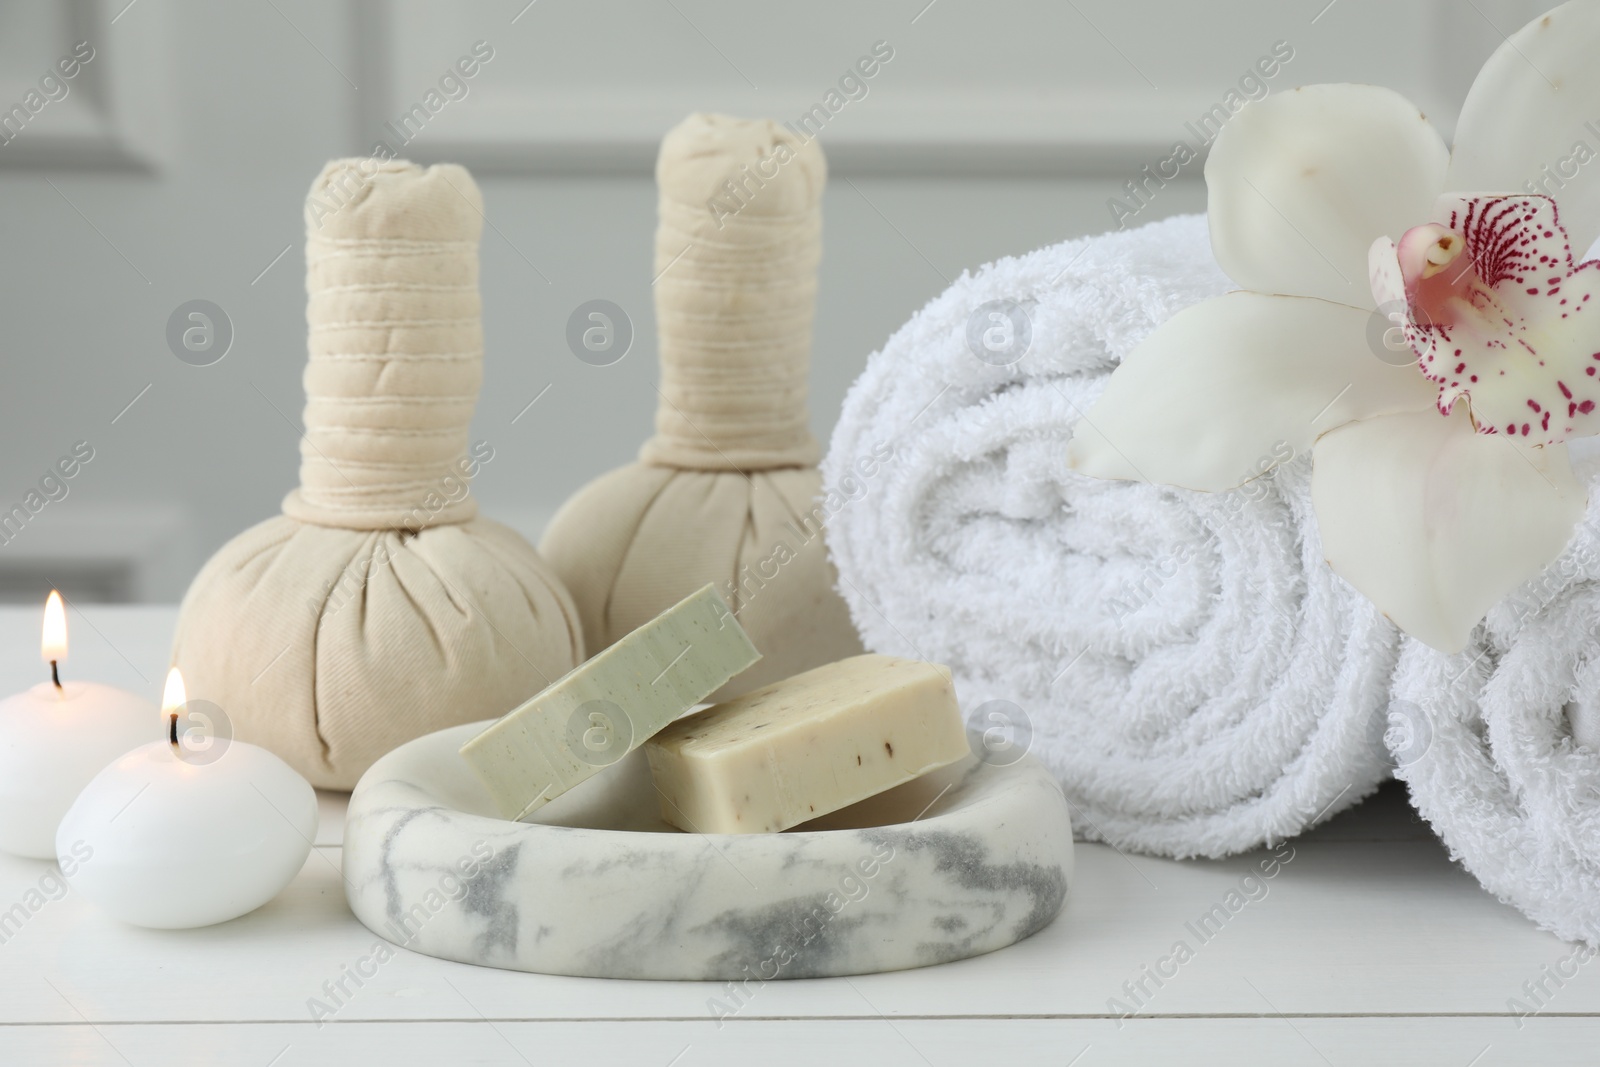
(176, 167)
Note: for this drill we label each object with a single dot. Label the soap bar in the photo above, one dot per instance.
(602, 710)
(800, 748)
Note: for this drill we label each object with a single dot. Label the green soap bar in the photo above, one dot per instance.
(607, 707)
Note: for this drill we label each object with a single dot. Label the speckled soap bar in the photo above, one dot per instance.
(602, 710)
(808, 745)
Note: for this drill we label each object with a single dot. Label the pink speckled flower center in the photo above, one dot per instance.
(1445, 289)
(1499, 315)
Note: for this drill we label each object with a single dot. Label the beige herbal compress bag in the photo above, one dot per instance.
(727, 491)
(378, 606)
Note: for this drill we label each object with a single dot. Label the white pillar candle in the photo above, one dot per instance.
(54, 738)
(164, 839)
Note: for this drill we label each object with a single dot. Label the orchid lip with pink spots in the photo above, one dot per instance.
(1498, 314)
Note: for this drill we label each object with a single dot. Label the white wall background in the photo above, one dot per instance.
(176, 166)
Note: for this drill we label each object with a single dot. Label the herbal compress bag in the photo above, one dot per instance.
(727, 491)
(379, 606)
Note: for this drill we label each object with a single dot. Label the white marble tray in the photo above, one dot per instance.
(960, 862)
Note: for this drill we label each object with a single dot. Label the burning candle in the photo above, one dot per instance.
(188, 830)
(54, 738)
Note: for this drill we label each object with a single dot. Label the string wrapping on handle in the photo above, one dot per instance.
(737, 248)
(395, 346)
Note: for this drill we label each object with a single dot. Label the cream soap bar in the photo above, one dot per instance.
(811, 744)
(602, 710)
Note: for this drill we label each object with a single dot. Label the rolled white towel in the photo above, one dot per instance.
(1190, 667)
(1500, 744)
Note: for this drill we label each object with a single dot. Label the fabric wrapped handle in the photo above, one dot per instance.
(395, 346)
(737, 249)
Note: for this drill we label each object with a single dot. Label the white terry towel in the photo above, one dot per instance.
(1500, 744)
(1193, 671)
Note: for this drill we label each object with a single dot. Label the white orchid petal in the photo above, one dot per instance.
(1435, 523)
(1388, 281)
(1527, 119)
(1225, 390)
(1301, 183)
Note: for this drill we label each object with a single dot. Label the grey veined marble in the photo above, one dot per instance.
(960, 862)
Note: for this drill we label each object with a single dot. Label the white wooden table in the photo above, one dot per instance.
(1368, 946)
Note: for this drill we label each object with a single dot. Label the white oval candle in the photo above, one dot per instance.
(54, 738)
(168, 840)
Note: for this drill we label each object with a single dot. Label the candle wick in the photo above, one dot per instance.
(172, 736)
(55, 674)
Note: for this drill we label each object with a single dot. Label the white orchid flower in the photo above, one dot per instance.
(1436, 493)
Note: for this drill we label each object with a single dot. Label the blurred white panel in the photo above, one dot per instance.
(1006, 87)
(81, 90)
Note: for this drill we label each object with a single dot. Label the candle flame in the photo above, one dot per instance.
(173, 696)
(53, 645)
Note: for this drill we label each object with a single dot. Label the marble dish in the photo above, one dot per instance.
(959, 862)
